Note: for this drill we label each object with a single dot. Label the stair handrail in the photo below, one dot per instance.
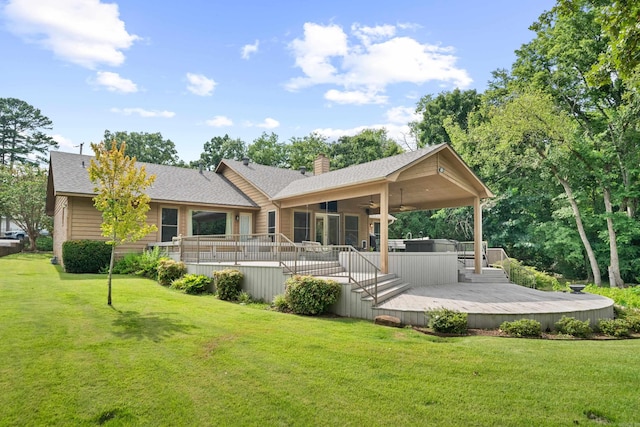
(370, 266)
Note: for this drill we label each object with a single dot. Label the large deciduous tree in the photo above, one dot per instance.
(266, 150)
(457, 104)
(145, 147)
(23, 193)
(303, 151)
(121, 197)
(218, 148)
(22, 139)
(569, 44)
(368, 145)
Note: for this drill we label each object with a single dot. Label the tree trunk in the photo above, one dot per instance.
(614, 269)
(595, 269)
(113, 254)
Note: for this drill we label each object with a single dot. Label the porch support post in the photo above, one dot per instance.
(477, 235)
(384, 228)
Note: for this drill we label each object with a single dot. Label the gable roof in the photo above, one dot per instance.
(357, 174)
(268, 179)
(69, 175)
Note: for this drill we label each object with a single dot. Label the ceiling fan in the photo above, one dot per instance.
(403, 207)
(370, 204)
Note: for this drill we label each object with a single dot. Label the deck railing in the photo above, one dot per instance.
(296, 258)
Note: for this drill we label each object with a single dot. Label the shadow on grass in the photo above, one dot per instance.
(153, 326)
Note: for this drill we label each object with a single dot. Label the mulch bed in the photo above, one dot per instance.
(498, 333)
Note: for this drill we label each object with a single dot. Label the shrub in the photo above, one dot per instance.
(574, 327)
(310, 295)
(522, 328)
(170, 270)
(192, 284)
(85, 256)
(280, 303)
(228, 283)
(633, 323)
(447, 321)
(614, 327)
(44, 244)
(244, 298)
(627, 297)
(148, 263)
(632, 317)
(128, 264)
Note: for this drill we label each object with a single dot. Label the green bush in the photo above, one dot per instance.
(244, 298)
(148, 263)
(44, 244)
(574, 327)
(447, 321)
(228, 284)
(192, 284)
(626, 297)
(523, 328)
(170, 270)
(85, 256)
(614, 327)
(632, 317)
(280, 303)
(129, 264)
(310, 295)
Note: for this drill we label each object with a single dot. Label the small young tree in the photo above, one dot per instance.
(120, 197)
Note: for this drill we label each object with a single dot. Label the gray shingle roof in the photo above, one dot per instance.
(357, 174)
(172, 184)
(268, 179)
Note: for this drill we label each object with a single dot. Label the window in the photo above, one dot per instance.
(301, 226)
(271, 222)
(169, 227)
(351, 230)
(208, 223)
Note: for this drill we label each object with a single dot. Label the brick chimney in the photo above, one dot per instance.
(320, 164)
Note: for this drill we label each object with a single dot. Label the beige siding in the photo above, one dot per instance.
(60, 225)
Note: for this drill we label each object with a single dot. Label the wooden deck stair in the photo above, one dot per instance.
(389, 285)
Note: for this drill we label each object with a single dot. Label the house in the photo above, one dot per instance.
(240, 197)
(333, 212)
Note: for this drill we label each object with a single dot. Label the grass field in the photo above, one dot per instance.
(159, 357)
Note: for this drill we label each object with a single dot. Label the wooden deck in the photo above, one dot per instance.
(490, 304)
(487, 303)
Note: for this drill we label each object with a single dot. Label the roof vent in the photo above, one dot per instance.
(245, 161)
(83, 163)
(200, 167)
(303, 170)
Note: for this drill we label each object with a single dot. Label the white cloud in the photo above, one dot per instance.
(397, 127)
(143, 113)
(269, 123)
(65, 143)
(219, 121)
(249, 49)
(366, 64)
(200, 84)
(114, 83)
(354, 97)
(402, 115)
(84, 32)
(314, 52)
(370, 34)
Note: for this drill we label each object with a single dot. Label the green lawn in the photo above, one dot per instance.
(159, 357)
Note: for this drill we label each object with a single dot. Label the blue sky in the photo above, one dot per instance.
(197, 69)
